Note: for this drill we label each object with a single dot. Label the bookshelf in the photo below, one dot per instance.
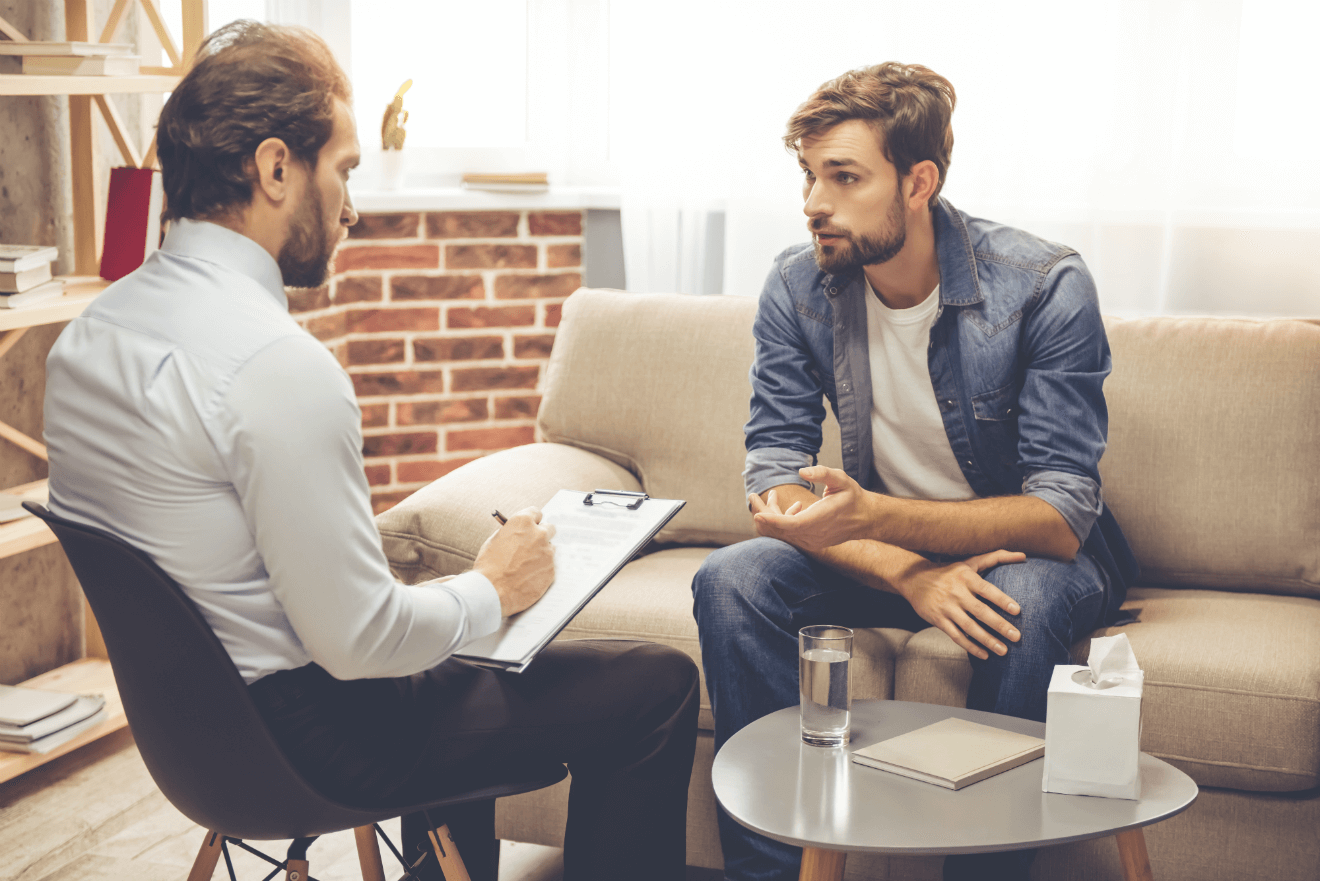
(91, 674)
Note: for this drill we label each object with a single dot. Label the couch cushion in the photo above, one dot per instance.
(658, 383)
(1232, 683)
(651, 599)
(1213, 455)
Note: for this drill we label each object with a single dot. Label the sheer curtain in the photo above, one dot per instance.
(1172, 142)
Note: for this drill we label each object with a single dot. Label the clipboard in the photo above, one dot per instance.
(596, 534)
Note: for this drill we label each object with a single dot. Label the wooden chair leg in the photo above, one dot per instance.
(822, 865)
(1132, 854)
(204, 866)
(368, 849)
(447, 853)
(296, 870)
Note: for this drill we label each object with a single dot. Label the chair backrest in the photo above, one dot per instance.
(197, 728)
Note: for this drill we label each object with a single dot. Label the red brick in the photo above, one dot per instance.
(378, 475)
(555, 223)
(527, 287)
(486, 316)
(520, 407)
(437, 287)
(558, 256)
(533, 346)
(458, 348)
(380, 320)
(340, 351)
(490, 256)
(386, 226)
(553, 312)
(426, 470)
(307, 299)
(358, 289)
(404, 382)
(472, 224)
(482, 378)
(375, 351)
(352, 257)
(382, 502)
(375, 415)
(326, 327)
(399, 444)
(442, 412)
(490, 438)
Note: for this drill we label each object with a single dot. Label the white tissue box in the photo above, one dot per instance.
(1093, 734)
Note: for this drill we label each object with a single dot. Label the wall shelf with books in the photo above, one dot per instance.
(26, 84)
(87, 676)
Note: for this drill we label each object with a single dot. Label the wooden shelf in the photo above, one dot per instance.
(88, 676)
(26, 533)
(30, 84)
(79, 290)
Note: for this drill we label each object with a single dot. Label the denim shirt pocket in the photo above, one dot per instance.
(996, 413)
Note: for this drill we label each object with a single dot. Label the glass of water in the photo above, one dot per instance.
(823, 680)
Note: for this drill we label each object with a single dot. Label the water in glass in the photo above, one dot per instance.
(823, 678)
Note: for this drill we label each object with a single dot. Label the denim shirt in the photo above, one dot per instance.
(1018, 357)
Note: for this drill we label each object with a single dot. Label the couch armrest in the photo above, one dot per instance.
(439, 529)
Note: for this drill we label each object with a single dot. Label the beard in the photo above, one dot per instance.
(863, 250)
(304, 259)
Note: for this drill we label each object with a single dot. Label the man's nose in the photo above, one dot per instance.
(816, 204)
(349, 215)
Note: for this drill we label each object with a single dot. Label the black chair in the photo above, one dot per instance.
(199, 732)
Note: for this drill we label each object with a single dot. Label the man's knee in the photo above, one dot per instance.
(1051, 593)
(741, 576)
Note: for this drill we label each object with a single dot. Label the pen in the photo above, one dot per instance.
(498, 516)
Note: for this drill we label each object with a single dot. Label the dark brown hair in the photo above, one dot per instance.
(251, 82)
(908, 106)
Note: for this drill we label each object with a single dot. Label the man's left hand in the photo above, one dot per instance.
(846, 512)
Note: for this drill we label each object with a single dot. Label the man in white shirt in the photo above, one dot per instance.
(187, 413)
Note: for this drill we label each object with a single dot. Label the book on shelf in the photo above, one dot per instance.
(20, 258)
(56, 739)
(132, 220)
(81, 65)
(52, 47)
(18, 282)
(21, 706)
(51, 290)
(952, 753)
(80, 708)
(530, 182)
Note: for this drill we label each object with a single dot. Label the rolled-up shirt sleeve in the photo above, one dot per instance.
(293, 444)
(1064, 421)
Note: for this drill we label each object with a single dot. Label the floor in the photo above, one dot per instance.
(95, 815)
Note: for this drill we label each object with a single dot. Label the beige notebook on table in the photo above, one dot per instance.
(952, 753)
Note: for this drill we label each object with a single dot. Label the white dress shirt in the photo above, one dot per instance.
(189, 414)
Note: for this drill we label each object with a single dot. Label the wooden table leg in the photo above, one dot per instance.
(1132, 854)
(822, 865)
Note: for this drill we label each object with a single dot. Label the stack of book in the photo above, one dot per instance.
(25, 277)
(46, 58)
(531, 182)
(36, 721)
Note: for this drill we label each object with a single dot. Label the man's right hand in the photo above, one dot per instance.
(956, 599)
(519, 560)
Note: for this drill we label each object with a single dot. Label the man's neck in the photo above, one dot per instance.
(258, 226)
(908, 279)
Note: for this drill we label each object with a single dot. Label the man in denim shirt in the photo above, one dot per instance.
(965, 362)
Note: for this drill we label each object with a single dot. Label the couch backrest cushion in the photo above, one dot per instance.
(658, 383)
(1213, 465)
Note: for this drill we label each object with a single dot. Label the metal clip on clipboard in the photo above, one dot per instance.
(633, 505)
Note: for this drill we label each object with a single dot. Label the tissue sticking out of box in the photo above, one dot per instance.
(1111, 663)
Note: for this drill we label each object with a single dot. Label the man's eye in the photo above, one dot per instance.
(806, 172)
(846, 178)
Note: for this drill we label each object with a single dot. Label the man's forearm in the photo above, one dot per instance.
(1014, 523)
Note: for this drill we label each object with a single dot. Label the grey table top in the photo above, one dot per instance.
(772, 783)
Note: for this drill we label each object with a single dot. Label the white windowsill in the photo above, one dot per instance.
(456, 199)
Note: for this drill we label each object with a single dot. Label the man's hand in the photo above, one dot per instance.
(845, 513)
(519, 560)
(955, 598)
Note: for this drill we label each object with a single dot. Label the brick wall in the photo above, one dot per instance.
(444, 320)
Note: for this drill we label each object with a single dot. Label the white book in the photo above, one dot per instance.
(83, 707)
(17, 258)
(51, 290)
(78, 65)
(18, 282)
(952, 753)
(51, 47)
(23, 706)
(59, 738)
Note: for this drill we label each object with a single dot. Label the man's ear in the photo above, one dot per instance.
(920, 184)
(270, 169)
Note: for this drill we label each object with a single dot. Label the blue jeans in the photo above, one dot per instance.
(751, 598)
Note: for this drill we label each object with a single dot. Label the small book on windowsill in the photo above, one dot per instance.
(952, 753)
(531, 182)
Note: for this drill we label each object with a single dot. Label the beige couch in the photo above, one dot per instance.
(1213, 470)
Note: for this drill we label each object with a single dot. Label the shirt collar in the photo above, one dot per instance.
(216, 244)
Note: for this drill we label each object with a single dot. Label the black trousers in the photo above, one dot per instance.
(621, 714)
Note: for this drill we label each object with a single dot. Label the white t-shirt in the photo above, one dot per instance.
(908, 440)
